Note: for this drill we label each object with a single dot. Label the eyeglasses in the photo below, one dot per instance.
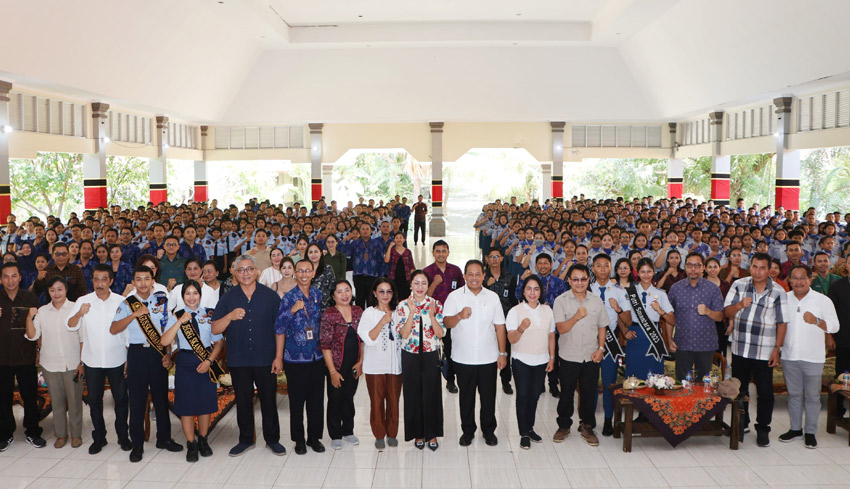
(61, 253)
(304, 271)
(170, 244)
(579, 280)
(245, 270)
(693, 265)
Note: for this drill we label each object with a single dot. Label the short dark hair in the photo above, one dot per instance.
(141, 269)
(103, 267)
(534, 278)
(543, 256)
(761, 256)
(53, 280)
(800, 267)
(372, 300)
(694, 254)
(11, 264)
(473, 262)
(601, 256)
(439, 242)
(578, 267)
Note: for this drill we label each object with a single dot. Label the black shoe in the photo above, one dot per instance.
(419, 444)
(491, 440)
(240, 448)
(191, 451)
(433, 446)
(465, 440)
(555, 391)
(525, 443)
(5, 444)
(204, 446)
(300, 448)
(762, 438)
(811, 442)
(276, 448)
(608, 427)
(136, 454)
(36, 441)
(790, 435)
(124, 443)
(170, 445)
(316, 445)
(534, 437)
(507, 389)
(94, 448)
(451, 387)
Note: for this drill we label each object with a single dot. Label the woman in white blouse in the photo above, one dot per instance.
(60, 362)
(531, 332)
(382, 362)
(272, 274)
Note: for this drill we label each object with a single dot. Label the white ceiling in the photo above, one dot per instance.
(293, 61)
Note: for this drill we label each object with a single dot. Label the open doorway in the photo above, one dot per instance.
(483, 175)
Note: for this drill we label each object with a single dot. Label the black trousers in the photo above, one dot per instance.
(556, 372)
(505, 373)
(362, 288)
(480, 378)
(145, 373)
(417, 227)
(404, 227)
(306, 386)
(742, 369)
(95, 382)
(842, 364)
(447, 350)
(423, 395)
(244, 380)
(340, 413)
(27, 377)
(586, 375)
(529, 380)
(699, 361)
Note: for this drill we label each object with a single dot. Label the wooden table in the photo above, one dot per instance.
(628, 428)
(832, 419)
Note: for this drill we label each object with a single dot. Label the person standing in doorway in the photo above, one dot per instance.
(420, 211)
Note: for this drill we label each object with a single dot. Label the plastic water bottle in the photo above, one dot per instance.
(706, 383)
(688, 380)
(846, 380)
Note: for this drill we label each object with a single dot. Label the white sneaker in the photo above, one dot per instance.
(351, 439)
(336, 444)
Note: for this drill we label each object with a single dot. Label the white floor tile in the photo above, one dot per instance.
(542, 478)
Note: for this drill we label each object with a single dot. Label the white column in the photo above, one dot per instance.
(94, 165)
(158, 169)
(721, 165)
(787, 162)
(438, 222)
(201, 193)
(315, 162)
(675, 168)
(5, 174)
(557, 176)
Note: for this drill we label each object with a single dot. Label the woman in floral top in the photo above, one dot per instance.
(323, 278)
(419, 322)
(343, 354)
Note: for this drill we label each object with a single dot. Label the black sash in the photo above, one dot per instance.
(612, 346)
(193, 336)
(657, 348)
(146, 324)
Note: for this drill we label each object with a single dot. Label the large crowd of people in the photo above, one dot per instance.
(573, 292)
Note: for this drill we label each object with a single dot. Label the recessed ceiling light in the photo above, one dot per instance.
(518, 15)
(360, 16)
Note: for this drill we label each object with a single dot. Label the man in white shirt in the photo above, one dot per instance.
(477, 321)
(103, 356)
(811, 315)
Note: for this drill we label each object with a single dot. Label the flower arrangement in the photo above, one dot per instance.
(660, 382)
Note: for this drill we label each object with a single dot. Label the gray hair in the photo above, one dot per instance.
(246, 257)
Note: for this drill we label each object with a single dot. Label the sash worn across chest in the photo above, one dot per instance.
(657, 348)
(193, 337)
(146, 325)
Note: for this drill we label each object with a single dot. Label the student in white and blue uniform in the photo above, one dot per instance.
(195, 392)
(147, 370)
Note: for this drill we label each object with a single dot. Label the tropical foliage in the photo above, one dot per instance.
(51, 184)
(126, 181)
(380, 176)
(603, 178)
(236, 182)
(825, 180)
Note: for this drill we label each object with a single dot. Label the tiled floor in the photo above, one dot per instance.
(700, 462)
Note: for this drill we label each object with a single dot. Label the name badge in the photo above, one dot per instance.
(309, 333)
(454, 284)
(505, 293)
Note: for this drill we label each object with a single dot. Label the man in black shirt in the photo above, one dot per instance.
(17, 358)
(503, 283)
(839, 292)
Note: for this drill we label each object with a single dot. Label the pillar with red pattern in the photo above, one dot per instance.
(557, 160)
(787, 161)
(94, 164)
(5, 175)
(158, 168)
(721, 164)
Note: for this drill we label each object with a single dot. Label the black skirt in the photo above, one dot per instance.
(194, 393)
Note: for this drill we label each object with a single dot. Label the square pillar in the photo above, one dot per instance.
(721, 165)
(158, 169)
(201, 193)
(557, 161)
(675, 168)
(438, 222)
(315, 162)
(328, 182)
(5, 174)
(787, 162)
(94, 165)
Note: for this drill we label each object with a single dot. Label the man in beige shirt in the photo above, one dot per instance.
(581, 320)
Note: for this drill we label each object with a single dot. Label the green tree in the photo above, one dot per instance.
(618, 176)
(753, 179)
(825, 180)
(379, 176)
(51, 184)
(697, 177)
(127, 181)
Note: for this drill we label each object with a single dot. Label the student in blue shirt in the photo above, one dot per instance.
(299, 320)
(147, 362)
(195, 391)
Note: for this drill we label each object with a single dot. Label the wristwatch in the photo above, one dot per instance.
(503, 354)
(602, 348)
